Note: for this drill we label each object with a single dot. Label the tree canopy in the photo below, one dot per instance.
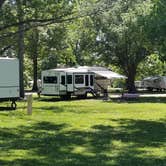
(49, 33)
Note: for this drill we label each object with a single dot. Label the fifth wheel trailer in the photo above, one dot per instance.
(67, 82)
(9, 80)
(76, 81)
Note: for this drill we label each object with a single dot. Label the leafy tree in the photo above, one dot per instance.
(81, 41)
(156, 28)
(27, 15)
(151, 66)
(33, 50)
(122, 37)
(54, 49)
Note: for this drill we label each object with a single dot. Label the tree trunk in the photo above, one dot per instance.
(1, 3)
(21, 47)
(35, 86)
(130, 81)
(35, 60)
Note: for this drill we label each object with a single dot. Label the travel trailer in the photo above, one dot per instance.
(9, 80)
(154, 83)
(76, 81)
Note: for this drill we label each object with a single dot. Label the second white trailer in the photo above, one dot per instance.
(67, 82)
(77, 81)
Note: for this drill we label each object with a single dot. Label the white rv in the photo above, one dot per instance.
(76, 81)
(154, 83)
(67, 82)
(9, 80)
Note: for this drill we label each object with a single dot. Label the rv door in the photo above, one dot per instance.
(63, 86)
(50, 84)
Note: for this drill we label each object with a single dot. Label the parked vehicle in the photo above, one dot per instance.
(154, 83)
(138, 84)
(76, 81)
(9, 80)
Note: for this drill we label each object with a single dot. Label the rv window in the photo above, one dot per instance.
(50, 80)
(86, 80)
(63, 80)
(69, 79)
(79, 79)
(91, 80)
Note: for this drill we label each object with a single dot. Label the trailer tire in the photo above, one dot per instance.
(150, 89)
(84, 96)
(66, 97)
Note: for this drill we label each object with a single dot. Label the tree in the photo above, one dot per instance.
(122, 37)
(151, 66)
(156, 28)
(32, 14)
(81, 41)
(20, 14)
(32, 51)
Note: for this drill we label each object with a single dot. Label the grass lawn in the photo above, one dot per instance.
(84, 133)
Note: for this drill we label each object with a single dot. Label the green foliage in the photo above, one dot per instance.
(121, 38)
(151, 66)
(79, 32)
(81, 40)
(28, 71)
(156, 28)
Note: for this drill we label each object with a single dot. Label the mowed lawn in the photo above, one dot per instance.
(84, 133)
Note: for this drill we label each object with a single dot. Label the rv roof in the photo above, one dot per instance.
(7, 58)
(99, 71)
(93, 68)
(73, 70)
(153, 78)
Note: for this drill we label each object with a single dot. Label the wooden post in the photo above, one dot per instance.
(29, 104)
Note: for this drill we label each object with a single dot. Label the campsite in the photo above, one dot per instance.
(82, 83)
(84, 132)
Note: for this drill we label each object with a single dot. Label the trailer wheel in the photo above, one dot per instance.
(66, 97)
(150, 89)
(13, 105)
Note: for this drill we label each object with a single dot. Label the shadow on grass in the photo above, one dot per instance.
(58, 99)
(6, 108)
(54, 109)
(67, 107)
(50, 144)
(134, 100)
(140, 100)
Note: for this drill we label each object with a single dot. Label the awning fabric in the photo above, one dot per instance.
(109, 74)
(99, 71)
(103, 72)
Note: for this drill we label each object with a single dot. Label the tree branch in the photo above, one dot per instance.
(32, 23)
(4, 49)
(60, 19)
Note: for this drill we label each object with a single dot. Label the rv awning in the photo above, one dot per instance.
(109, 74)
(99, 71)
(103, 72)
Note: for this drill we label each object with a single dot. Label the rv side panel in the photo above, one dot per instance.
(9, 78)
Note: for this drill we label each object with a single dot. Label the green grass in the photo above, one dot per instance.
(84, 133)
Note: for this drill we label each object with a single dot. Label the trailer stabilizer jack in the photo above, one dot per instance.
(13, 105)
